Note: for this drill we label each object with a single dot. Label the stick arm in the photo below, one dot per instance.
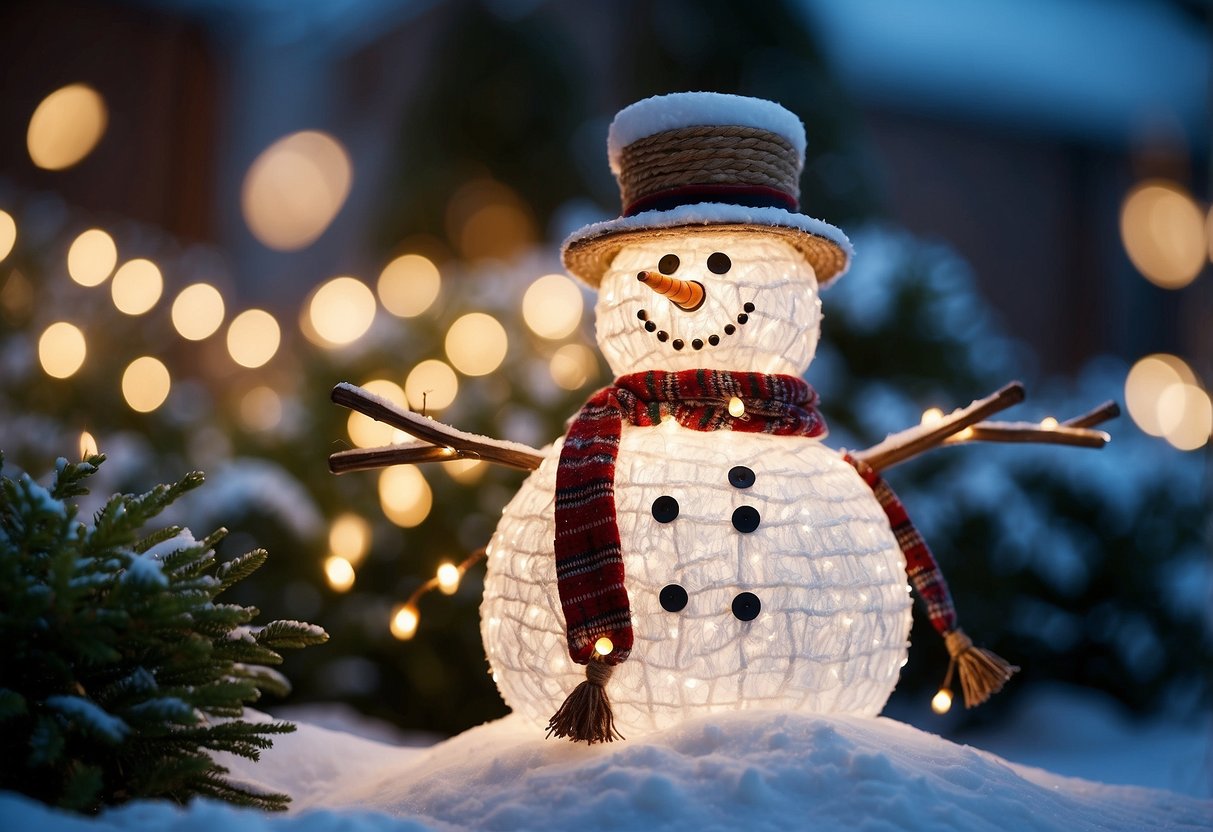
(968, 425)
(433, 440)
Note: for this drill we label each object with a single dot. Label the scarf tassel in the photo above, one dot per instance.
(586, 714)
(982, 672)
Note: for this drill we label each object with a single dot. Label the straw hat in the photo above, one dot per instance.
(705, 162)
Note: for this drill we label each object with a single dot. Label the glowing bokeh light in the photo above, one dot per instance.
(8, 233)
(552, 306)
(1185, 415)
(295, 188)
(404, 622)
(573, 365)
(941, 703)
(1163, 231)
(465, 471)
(339, 572)
(476, 344)
(350, 537)
(253, 338)
(88, 445)
(91, 257)
(136, 286)
(261, 409)
(1145, 384)
(409, 285)
(364, 431)
(404, 495)
(341, 311)
(198, 311)
(61, 349)
(431, 385)
(146, 384)
(66, 126)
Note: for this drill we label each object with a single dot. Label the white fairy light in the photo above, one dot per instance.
(941, 702)
(66, 126)
(448, 578)
(340, 573)
(404, 622)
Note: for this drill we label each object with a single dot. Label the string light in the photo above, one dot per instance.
(136, 286)
(252, 338)
(61, 350)
(941, 703)
(339, 572)
(736, 407)
(405, 617)
(552, 306)
(1048, 423)
(88, 445)
(604, 646)
(409, 285)
(146, 384)
(198, 311)
(8, 234)
(66, 127)
(404, 622)
(931, 416)
(91, 257)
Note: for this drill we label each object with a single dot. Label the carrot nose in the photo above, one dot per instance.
(685, 294)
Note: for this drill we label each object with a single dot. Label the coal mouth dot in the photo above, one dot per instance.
(712, 340)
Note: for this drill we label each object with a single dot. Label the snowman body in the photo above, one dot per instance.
(760, 569)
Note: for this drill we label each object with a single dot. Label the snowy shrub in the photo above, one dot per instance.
(122, 672)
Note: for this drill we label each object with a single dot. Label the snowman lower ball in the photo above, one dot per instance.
(758, 569)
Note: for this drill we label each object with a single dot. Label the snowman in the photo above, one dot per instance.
(691, 546)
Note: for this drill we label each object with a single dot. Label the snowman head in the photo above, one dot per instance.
(711, 265)
(727, 299)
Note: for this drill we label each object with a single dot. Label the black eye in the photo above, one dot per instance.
(668, 264)
(746, 606)
(673, 598)
(719, 263)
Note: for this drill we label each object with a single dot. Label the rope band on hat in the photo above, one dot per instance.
(712, 155)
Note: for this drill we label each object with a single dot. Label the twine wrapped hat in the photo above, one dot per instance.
(702, 161)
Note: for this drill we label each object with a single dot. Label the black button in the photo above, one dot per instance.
(677, 344)
(650, 326)
(729, 329)
(742, 318)
(662, 336)
(746, 606)
(668, 264)
(740, 477)
(673, 598)
(713, 340)
(745, 518)
(697, 344)
(749, 307)
(719, 263)
(642, 315)
(665, 509)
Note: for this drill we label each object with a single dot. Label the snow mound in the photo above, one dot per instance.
(753, 770)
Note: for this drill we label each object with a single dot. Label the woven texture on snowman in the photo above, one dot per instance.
(589, 562)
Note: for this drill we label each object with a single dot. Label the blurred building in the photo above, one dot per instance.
(1011, 130)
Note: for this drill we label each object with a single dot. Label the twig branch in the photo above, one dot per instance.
(911, 442)
(966, 425)
(438, 441)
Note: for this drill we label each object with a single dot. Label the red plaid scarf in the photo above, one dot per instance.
(589, 564)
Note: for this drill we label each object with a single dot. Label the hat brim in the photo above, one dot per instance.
(588, 252)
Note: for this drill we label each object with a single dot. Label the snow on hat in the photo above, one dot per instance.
(705, 161)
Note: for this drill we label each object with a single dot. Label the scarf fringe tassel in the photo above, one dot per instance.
(982, 673)
(586, 714)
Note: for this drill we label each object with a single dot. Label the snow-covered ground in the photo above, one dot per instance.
(749, 770)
